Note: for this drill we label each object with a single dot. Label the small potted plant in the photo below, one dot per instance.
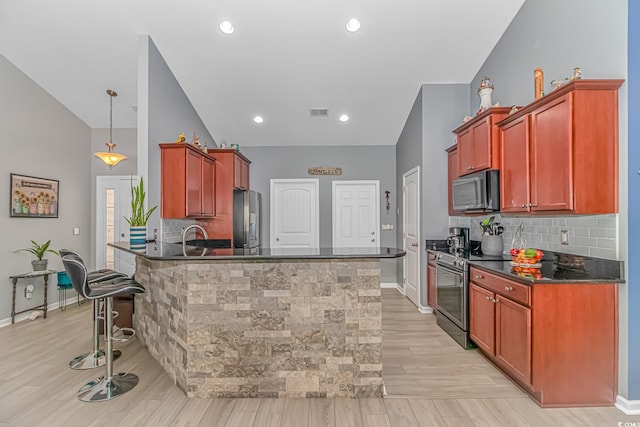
(139, 218)
(39, 250)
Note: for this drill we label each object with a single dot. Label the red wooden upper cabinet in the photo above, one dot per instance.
(452, 161)
(560, 153)
(478, 141)
(187, 182)
(240, 172)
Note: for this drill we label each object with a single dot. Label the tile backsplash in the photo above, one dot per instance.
(590, 235)
(172, 229)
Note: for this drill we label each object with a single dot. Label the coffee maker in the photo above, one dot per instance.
(458, 240)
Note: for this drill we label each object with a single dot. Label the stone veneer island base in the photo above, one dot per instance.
(264, 328)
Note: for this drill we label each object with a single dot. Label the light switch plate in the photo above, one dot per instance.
(564, 237)
(76, 231)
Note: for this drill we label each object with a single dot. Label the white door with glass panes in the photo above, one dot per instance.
(113, 204)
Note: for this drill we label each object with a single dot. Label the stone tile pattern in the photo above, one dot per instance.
(265, 329)
(589, 235)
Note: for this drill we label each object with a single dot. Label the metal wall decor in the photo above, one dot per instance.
(324, 170)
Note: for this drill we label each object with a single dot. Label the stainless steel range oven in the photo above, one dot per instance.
(452, 288)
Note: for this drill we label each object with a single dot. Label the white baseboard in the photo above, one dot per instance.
(425, 310)
(22, 316)
(390, 285)
(629, 407)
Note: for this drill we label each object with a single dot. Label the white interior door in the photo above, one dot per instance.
(411, 234)
(355, 214)
(113, 203)
(294, 212)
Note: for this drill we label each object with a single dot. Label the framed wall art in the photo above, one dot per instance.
(33, 197)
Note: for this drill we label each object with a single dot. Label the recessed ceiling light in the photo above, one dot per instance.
(227, 27)
(343, 118)
(258, 119)
(353, 25)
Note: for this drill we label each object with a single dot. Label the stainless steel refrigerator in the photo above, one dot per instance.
(246, 219)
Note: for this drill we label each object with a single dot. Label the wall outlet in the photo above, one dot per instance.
(387, 227)
(564, 237)
(76, 231)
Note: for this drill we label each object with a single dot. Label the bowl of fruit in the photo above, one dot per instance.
(529, 257)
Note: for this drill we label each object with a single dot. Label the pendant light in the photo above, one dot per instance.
(110, 158)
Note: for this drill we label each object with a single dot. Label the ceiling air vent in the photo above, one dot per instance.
(319, 112)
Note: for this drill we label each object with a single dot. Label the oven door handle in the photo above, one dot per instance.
(449, 269)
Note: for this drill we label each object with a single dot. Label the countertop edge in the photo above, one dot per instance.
(259, 257)
(525, 281)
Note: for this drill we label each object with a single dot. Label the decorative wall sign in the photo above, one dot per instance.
(324, 170)
(33, 197)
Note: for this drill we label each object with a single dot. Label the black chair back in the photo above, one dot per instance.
(78, 274)
(68, 252)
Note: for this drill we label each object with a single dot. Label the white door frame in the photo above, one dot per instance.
(272, 208)
(376, 201)
(415, 170)
(102, 182)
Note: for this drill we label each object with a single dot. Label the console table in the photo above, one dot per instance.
(14, 279)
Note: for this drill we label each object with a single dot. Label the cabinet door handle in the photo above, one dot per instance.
(488, 298)
(533, 205)
(469, 168)
(523, 206)
(478, 276)
(508, 288)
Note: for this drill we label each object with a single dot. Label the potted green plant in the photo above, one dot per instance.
(139, 218)
(38, 250)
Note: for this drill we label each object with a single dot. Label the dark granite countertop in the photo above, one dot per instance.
(559, 268)
(166, 251)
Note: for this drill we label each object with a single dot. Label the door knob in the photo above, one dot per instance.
(122, 235)
(373, 240)
(277, 239)
(415, 245)
(373, 233)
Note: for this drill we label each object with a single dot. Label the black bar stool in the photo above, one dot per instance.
(95, 358)
(110, 385)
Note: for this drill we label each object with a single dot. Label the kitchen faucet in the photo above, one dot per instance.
(184, 237)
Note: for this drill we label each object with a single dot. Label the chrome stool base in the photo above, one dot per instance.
(107, 389)
(95, 359)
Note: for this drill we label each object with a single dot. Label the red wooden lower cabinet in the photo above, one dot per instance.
(557, 341)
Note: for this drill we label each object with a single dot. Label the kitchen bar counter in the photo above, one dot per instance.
(166, 251)
(263, 324)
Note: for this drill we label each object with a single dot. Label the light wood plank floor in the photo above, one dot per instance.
(430, 381)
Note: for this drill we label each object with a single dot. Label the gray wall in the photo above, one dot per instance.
(170, 113)
(558, 36)
(42, 139)
(125, 139)
(437, 110)
(408, 152)
(357, 163)
(443, 108)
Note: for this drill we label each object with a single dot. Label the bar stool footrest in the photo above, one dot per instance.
(94, 359)
(107, 388)
(123, 334)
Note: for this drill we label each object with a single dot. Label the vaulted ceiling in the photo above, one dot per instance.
(285, 57)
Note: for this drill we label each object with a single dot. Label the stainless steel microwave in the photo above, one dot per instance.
(477, 192)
